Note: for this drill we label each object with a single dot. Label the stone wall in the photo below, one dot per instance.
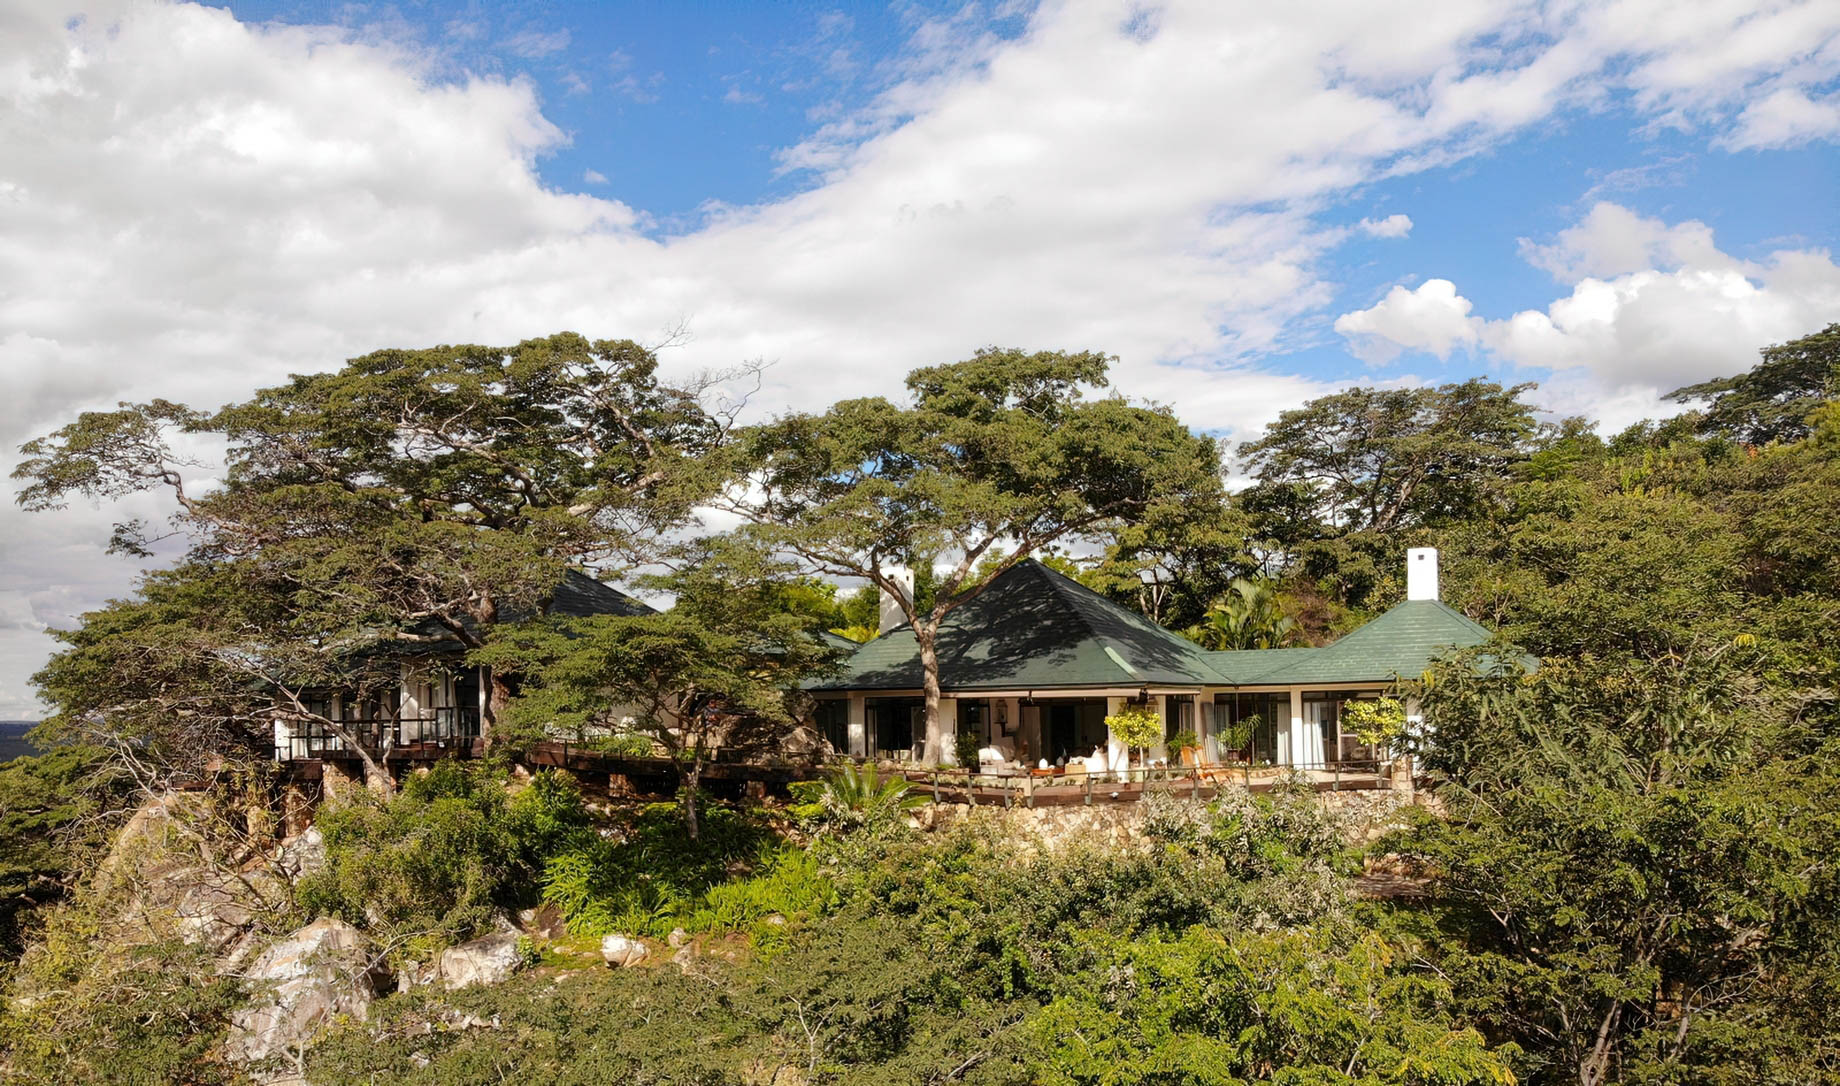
(1364, 815)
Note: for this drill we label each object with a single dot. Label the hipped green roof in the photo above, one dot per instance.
(1034, 629)
(1399, 644)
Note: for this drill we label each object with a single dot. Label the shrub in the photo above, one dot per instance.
(437, 862)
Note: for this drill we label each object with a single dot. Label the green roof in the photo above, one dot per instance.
(1033, 629)
(1400, 643)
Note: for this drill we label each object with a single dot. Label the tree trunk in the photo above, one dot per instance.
(690, 779)
(937, 740)
(498, 695)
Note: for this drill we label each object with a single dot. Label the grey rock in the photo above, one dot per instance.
(677, 938)
(304, 983)
(620, 951)
(489, 960)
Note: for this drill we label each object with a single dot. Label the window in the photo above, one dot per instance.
(832, 718)
(1178, 715)
(974, 719)
(893, 723)
(1270, 709)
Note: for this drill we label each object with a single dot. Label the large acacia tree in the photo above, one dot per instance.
(411, 496)
(994, 458)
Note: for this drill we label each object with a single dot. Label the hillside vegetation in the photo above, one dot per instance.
(1633, 876)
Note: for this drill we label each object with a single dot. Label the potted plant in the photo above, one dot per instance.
(1135, 725)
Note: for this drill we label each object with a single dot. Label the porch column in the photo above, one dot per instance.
(857, 721)
(1116, 757)
(1292, 747)
(948, 720)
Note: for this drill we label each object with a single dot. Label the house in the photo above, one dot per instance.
(1035, 663)
(425, 694)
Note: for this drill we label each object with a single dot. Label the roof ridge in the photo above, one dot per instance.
(1078, 596)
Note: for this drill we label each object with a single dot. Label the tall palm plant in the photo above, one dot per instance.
(1249, 616)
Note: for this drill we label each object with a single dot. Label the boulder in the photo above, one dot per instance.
(304, 855)
(545, 921)
(622, 950)
(488, 960)
(302, 984)
(677, 938)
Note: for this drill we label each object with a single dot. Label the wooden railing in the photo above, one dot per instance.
(1013, 786)
(445, 724)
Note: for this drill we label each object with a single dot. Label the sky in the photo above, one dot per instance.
(1249, 204)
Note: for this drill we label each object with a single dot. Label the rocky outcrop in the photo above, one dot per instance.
(489, 960)
(301, 985)
(621, 951)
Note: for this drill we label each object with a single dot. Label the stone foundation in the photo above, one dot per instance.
(1364, 816)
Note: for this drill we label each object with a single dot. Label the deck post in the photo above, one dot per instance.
(1089, 789)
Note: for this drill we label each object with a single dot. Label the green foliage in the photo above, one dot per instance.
(965, 747)
(1250, 616)
(860, 798)
(1136, 726)
(652, 877)
(1773, 400)
(436, 863)
(1635, 869)
(55, 813)
(1212, 1007)
(147, 1013)
(1375, 721)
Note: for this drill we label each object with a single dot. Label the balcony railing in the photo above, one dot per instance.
(442, 725)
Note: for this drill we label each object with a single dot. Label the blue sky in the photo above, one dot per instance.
(1249, 204)
(674, 109)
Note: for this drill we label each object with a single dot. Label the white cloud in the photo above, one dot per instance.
(1786, 117)
(1393, 226)
(1652, 307)
(193, 207)
(538, 43)
(1434, 319)
(593, 177)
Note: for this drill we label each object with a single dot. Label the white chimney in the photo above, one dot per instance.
(892, 615)
(1421, 573)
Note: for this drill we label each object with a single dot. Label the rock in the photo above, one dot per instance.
(544, 921)
(622, 950)
(677, 938)
(489, 960)
(685, 957)
(304, 855)
(303, 983)
(774, 920)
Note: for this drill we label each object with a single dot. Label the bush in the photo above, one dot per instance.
(436, 863)
(654, 877)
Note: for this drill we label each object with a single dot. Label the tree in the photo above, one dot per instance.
(1383, 459)
(719, 671)
(1634, 879)
(1772, 400)
(412, 497)
(1250, 616)
(997, 452)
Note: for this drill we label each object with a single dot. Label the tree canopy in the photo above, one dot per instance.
(1772, 400)
(1002, 453)
(412, 496)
